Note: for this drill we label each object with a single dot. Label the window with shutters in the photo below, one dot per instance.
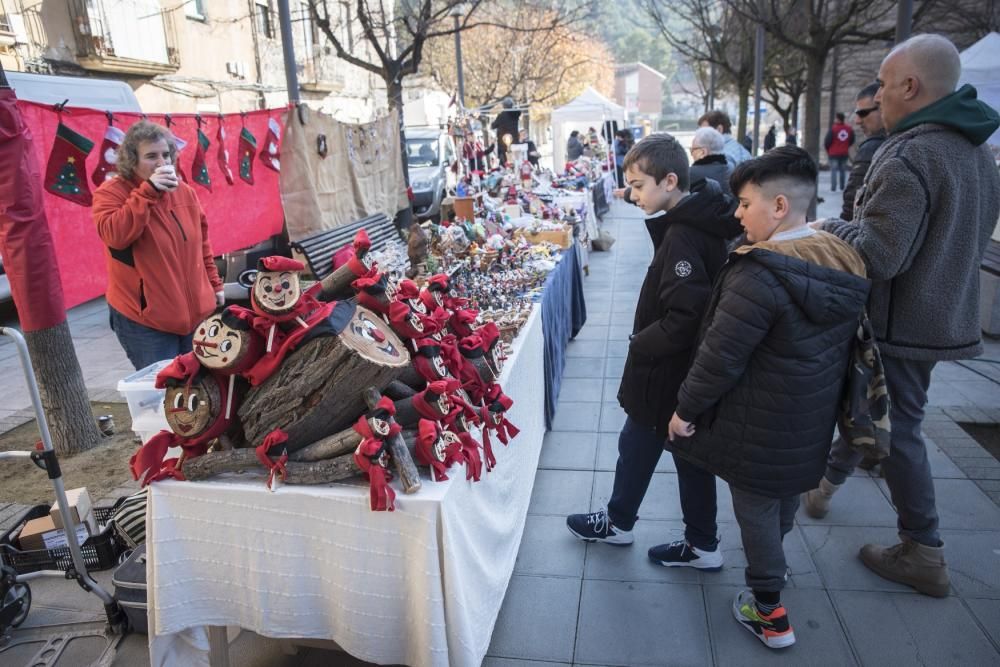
(128, 36)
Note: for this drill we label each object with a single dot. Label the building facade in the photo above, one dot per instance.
(639, 88)
(196, 56)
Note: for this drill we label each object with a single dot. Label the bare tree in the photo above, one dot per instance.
(963, 21)
(715, 35)
(784, 81)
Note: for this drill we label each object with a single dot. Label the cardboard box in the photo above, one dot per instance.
(80, 508)
(562, 238)
(41, 533)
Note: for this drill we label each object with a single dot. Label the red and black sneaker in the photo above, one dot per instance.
(772, 629)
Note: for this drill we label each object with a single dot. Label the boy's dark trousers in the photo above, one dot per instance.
(764, 522)
(639, 450)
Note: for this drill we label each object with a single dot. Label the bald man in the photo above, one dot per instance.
(923, 218)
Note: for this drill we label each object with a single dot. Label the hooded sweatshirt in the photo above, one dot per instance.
(689, 244)
(923, 219)
(766, 382)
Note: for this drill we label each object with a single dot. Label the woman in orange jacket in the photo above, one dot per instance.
(162, 279)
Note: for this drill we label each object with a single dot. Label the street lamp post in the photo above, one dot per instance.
(457, 12)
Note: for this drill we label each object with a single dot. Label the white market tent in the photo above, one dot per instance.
(979, 67)
(589, 109)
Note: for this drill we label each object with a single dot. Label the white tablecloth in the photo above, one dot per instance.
(419, 586)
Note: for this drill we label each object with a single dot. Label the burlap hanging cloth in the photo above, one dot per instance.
(361, 175)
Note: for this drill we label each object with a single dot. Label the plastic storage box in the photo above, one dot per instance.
(145, 401)
(130, 589)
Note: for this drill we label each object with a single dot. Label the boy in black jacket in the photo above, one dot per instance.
(689, 240)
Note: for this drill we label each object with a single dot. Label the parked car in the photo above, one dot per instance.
(429, 155)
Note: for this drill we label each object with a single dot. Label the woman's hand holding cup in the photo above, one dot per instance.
(164, 178)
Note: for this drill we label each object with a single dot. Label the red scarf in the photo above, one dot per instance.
(497, 403)
(368, 458)
(428, 433)
(275, 437)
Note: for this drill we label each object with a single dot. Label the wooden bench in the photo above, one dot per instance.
(317, 251)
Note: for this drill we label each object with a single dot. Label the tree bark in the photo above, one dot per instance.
(741, 124)
(815, 64)
(64, 395)
(337, 444)
(317, 390)
(244, 461)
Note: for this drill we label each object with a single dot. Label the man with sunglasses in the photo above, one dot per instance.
(868, 119)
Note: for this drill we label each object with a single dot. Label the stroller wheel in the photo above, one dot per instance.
(18, 592)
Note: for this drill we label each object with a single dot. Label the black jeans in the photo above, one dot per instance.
(639, 450)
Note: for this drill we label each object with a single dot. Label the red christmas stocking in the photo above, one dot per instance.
(198, 167)
(223, 155)
(269, 154)
(65, 175)
(107, 158)
(248, 146)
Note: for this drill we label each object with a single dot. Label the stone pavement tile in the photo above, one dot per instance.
(623, 307)
(599, 318)
(973, 559)
(510, 662)
(614, 367)
(561, 492)
(537, 620)
(611, 386)
(952, 372)
(963, 505)
(607, 455)
(587, 390)
(944, 394)
(595, 332)
(834, 550)
(944, 429)
(623, 623)
(599, 305)
(631, 563)
(819, 637)
(549, 549)
(619, 331)
(617, 348)
(942, 467)
(858, 503)
(981, 393)
(568, 450)
(612, 418)
(987, 612)
(584, 368)
(902, 629)
(984, 473)
(576, 416)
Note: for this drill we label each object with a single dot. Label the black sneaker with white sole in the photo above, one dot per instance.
(682, 554)
(597, 527)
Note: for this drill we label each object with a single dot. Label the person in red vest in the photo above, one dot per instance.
(838, 145)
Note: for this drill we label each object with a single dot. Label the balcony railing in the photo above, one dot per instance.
(126, 36)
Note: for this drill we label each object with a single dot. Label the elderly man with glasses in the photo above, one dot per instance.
(868, 119)
(708, 159)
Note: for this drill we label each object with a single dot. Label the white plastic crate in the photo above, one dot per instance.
(145, 401)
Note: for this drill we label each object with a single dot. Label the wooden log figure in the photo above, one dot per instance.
(433, 403)
(375, 291)
(227, 343)
(437, 448)
(403, 462)
(350, 263)
(373, 453)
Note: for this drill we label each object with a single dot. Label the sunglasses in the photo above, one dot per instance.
(861, 113)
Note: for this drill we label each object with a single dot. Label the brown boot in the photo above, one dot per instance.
(910, 563)
(817, 501)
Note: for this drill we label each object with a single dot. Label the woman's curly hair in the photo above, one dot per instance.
(128, 152)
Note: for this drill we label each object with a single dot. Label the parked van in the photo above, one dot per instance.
(430, 153)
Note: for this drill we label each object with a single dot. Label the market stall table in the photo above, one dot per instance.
(419, 586)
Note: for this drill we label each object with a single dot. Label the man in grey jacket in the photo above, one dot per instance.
(923, 218)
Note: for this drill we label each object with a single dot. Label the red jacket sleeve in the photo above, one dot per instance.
(120, 221)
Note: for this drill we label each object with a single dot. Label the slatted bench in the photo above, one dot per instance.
(317, 251)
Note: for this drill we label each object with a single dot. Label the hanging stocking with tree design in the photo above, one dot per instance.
(107, 155)
(65, 174)
(269, 154)
(248, 148)
(222, 157)
(199, 168)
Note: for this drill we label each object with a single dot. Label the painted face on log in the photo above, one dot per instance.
(379, 427)
(363, 326)
(219, 346)
(191, 409)
(415, 322)
(417, 305)
(444, 404)
(495, 358)
(446, 440)
(438, 363)
(277, 292)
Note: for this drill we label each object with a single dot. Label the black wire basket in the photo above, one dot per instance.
(100, 552)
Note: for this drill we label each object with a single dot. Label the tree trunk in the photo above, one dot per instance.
(64, 395)
(244, 461)
(741, 127)
(394, 91)
(317, 391)
(815, 64)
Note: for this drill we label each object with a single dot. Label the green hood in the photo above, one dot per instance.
(961, 110)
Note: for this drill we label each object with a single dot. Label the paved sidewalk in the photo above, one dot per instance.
(571, 603)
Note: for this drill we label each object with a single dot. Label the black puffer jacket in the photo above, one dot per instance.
(765, 384)
(689, 244)
(714, 167)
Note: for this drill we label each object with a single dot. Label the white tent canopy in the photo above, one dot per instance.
(589, 109)
(979, 67)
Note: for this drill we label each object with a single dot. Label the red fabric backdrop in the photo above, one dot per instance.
(239, 215)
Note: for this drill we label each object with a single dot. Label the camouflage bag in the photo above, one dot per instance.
(864, 409)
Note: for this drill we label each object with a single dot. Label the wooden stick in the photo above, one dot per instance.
(405, 467)
(245, 461)
(397, 390)
(338, 444)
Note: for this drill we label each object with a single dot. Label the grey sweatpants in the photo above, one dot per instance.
(907, 470)
(764, 522)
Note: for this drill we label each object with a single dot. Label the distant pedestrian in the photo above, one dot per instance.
(868, 118)
(734, 150)
(623, 144)
(791, 135)
(708, 159)
(574, 147)
(839, 139)
(771, 138)
(922, 222)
